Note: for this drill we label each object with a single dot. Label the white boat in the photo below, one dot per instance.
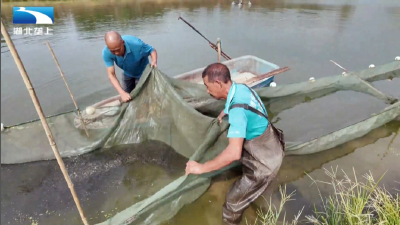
(251, 70)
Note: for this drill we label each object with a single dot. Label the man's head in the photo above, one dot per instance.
(217, 79)
(115, 43)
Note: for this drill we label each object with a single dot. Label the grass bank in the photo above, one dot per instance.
(352, 202)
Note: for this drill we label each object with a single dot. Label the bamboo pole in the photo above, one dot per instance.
(339, 66)
(219, 49)
(212, 45)
(266, 75)
(69, 90)
(362, 81)
(39, 110)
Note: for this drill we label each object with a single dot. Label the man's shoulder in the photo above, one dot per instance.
(235, 97)
(106, 52)
(242, 94)
(130, 39)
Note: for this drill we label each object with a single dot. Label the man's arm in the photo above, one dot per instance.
(153, 56)
(147, 50)
(112, 77)
(221, 115)
(236, 135)
(232, 153)
(114, 81)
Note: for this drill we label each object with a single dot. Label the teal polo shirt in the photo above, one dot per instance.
(135, 59)
(244, 123)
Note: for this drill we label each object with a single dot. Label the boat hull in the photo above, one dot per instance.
(244, 69)
(248, 64)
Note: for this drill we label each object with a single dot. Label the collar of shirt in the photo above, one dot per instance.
(231, 93)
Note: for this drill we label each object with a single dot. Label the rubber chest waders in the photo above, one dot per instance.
(261, 160)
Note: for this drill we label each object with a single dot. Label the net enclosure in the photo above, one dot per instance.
(182, 115)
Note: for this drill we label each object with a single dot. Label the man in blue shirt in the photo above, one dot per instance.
(131, 55)
(252, 139)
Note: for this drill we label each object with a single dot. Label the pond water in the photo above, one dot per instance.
(303, 35)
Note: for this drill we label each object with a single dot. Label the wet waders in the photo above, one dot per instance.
(261, 160)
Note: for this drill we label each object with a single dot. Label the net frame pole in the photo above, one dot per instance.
(69, 90)
(212, 45)
(219, 49)
(39, 110)
(363, 81)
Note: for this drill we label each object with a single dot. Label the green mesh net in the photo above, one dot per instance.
(183, 116)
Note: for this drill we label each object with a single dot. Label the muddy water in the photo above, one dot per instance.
(107, 182)
(303, 35)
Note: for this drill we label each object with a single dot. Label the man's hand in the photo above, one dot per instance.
(153, 58)
(221, 115)
(194, 168)
(232, 153)
(125, 97)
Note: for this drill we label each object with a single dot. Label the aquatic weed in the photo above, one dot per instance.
(352, 203)
(272, 214)
(356, 203)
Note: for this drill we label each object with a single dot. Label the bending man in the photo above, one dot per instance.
(131, 55)
(252, 140)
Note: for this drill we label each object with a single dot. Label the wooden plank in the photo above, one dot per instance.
(267, 75)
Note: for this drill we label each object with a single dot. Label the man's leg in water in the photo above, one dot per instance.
(246, 190)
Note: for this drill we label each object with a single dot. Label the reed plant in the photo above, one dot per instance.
(272, 214)
(351, 202)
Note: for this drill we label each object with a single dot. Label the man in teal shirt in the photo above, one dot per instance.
(252, 139)
(131, 55)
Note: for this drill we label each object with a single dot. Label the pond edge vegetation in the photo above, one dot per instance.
(352, 202)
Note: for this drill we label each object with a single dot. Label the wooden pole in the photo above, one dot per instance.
(363, 81)
(219, 49)
(212, 45)
(339, 66)
(72, 97)
(39, 110)
(269, 74)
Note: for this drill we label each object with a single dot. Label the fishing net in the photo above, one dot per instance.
(182, 115)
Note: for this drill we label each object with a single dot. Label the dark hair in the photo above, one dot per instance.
(217, 71)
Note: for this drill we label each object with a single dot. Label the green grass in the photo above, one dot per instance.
(272, 214)
(352, 202)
